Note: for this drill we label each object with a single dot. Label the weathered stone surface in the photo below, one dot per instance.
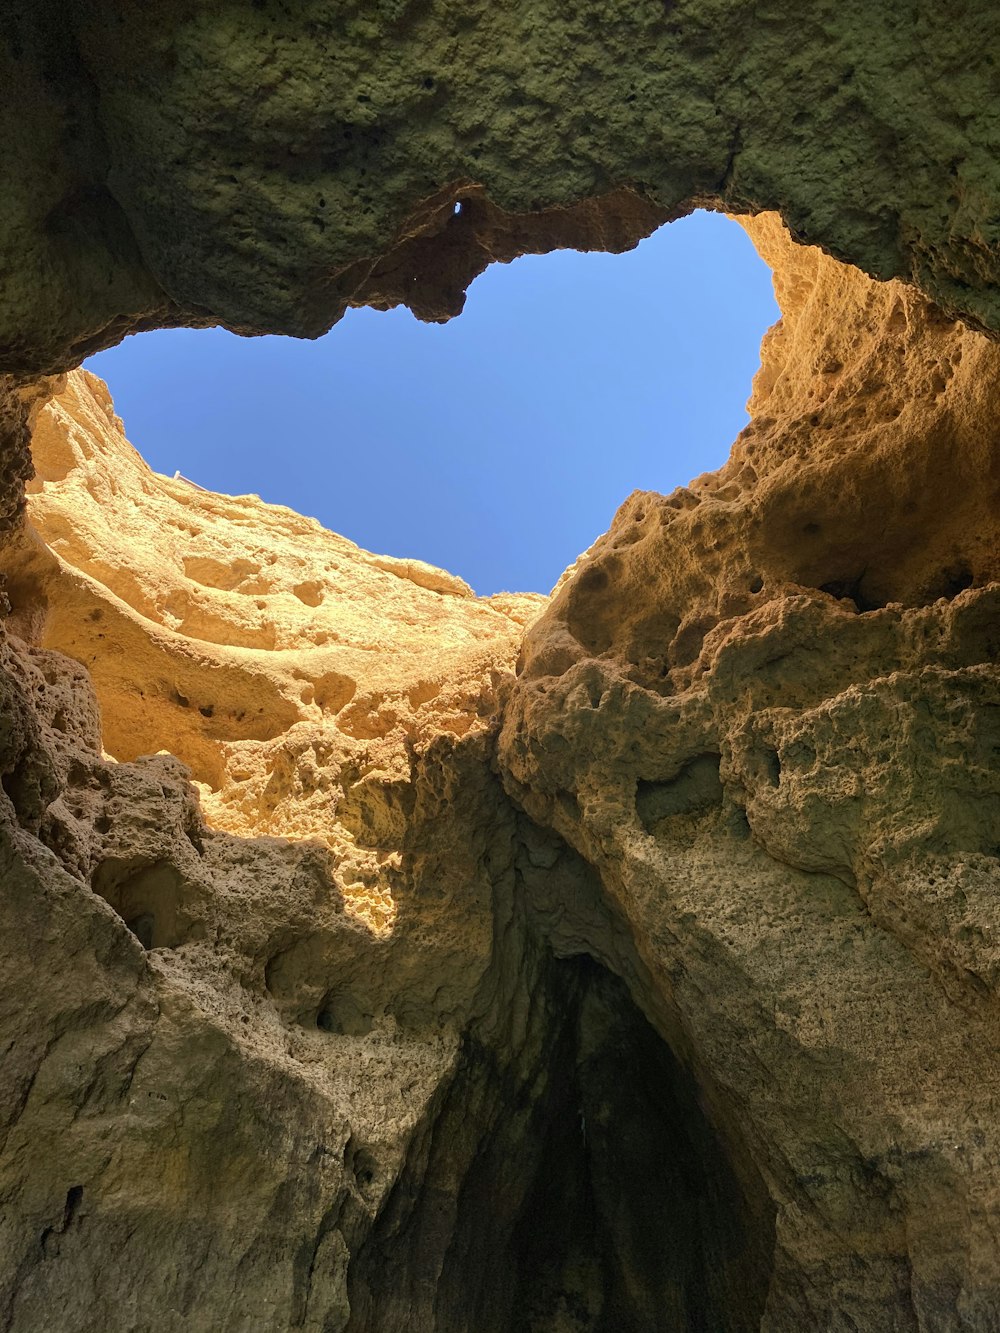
(677, 1008)
(334, 1038)
(353, 982)
(230, 1033)
(765, 710)
(289, 670)
(265, 166)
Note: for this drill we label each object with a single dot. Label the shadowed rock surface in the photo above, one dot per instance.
(265, 166)
(764, 710)
(377, 957)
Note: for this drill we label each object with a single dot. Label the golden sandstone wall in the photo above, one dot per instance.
(380, 958)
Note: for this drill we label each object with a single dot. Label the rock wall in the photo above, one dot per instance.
(315, 1029)
(289, 670)
(383, 958)
(764, 709)
(225, 1035)
(266, 165)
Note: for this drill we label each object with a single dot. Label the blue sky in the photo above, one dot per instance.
(498, 445)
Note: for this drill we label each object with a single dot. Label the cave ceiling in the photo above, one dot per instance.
(266, 165)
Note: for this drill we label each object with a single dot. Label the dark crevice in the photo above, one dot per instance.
(150, 899)
(343, 1014)
(49, 1239)
(577, 1186)
(853, 590)
(74, 1197)
(951, 582)
(695, 789)
(862, 592)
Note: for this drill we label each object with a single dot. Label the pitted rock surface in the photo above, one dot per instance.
(764, 708)
(288, 669)
(382, 958)
(246, 994)
(266, 166)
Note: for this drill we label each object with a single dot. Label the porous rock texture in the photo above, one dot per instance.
(246, 997)
(378, 957)
(764, 710)
(284, 666)
(266, 165)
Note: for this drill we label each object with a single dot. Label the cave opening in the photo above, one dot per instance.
(503, 438)
(151, 899)
(496, 445)
(582, 1188)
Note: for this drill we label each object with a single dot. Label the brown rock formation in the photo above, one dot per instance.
(379, 958)
(266, 165)
(318, 1065)
(289, 670)
(675, 1009)
(236, 1031)
(764, 709)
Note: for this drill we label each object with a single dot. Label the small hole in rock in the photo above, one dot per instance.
(150, 899)
(850, 590)
(343, 1015)
(143, 927)
(74, 1197)
(952, 581)
(695, 789)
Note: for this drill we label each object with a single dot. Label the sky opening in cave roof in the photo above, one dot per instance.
(497, 446)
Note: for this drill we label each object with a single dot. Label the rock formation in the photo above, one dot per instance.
(266, 166)
(764, 709)
(293, 983)
(384, 958)
(381, 958)
(289, 670)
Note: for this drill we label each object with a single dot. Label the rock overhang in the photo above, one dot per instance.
(265, 168)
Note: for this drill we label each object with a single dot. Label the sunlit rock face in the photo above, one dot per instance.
(351, 1044)
(278, 962)
(381, 958)
(292, 672)
(765, 710)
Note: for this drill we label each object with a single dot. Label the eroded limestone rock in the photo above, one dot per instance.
(388, 959)
(267, 165)
(764, 709)
(283, 957)
(290, 671)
